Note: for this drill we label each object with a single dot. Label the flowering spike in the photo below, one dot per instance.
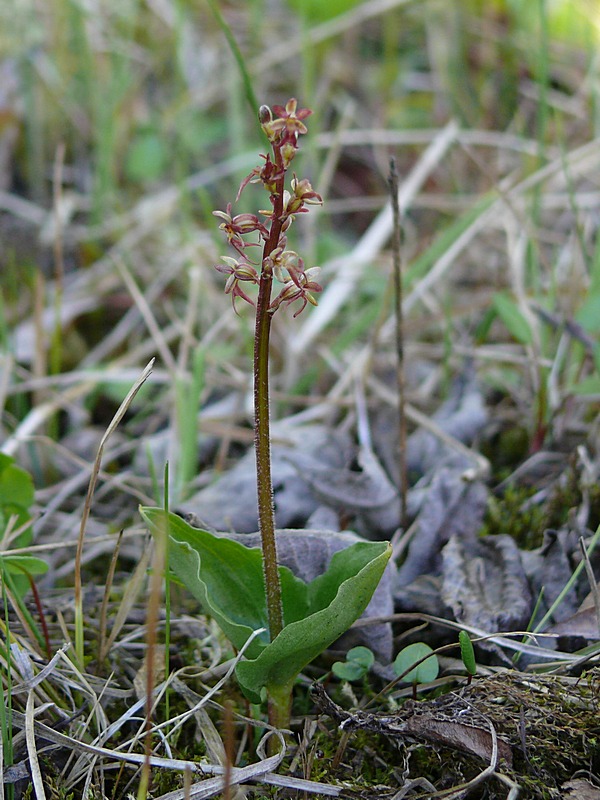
(282, 126)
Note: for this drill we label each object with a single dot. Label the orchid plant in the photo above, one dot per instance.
(287, 268)
(280, 622)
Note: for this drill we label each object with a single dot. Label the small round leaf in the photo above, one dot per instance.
(357, 664)
(425, 672)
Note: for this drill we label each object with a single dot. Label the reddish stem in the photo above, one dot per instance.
(262, 436)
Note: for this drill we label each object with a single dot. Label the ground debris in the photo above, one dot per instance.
(546, 726)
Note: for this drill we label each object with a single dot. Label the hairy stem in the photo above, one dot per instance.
(262, 435)
(280, 707)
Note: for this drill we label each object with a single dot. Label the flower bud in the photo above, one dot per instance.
(264, 115)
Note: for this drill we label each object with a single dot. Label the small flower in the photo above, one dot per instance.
(288, 151)
(268, 175)
(238, 271)
(299, 287)
(302, 193)
(288, 124)
(281, 260)
(238, 226)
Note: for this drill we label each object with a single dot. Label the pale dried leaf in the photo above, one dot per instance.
(484, 583)
(231, 502)
(452, 507)
(584, 622)
(580, 789)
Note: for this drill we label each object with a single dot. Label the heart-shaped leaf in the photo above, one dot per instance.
(358, 662)
(226, 577)
(23, 565)
(425, 671)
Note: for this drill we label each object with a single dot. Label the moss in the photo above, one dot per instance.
(526, 521)
(549, 725)
(510, 514)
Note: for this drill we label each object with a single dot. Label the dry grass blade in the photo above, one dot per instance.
(6, 367)
(594, 586)
(175, 722)
(574, 164)
(130, 595)
(34, 764)
(255, 771)
(147, 315)
(232, 776)
(31, 682)
(39, 415)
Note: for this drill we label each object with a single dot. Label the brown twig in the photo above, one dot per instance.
(396, 250)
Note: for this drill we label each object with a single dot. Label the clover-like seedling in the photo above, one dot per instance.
(358, 662)
(416, 664)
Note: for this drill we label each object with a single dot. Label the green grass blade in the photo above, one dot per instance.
(237, 54)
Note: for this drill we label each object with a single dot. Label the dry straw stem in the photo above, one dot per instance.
(400, 375)
(580, 161)
(285, 50)
(350, 267)
(121, 411)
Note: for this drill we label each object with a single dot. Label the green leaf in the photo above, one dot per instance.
(16, 497)
(588, 315)
(227, 579)
(300, 642)
(511, 315)
(425, 672)
(357, 664)
(467, 653)
(16, 486)
(147, 157)
(316, 11)
(23, 565)
(586, 386)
